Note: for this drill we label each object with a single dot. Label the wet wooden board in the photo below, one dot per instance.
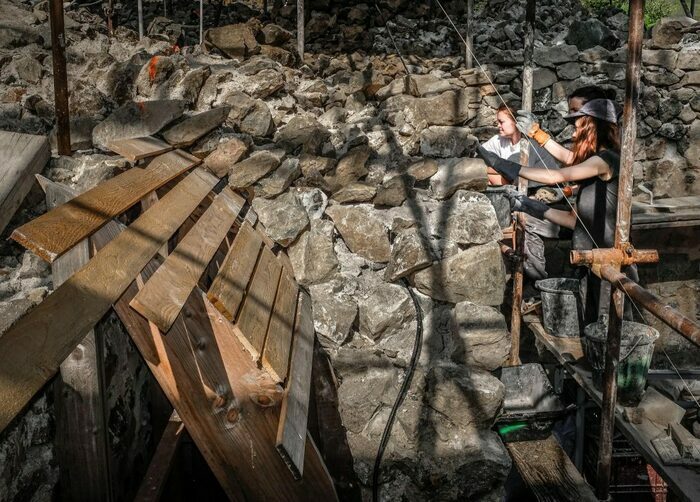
(139, 148)
(230, 407)
(21, 157)
(254, 318)
(229, 286)
(295, 407)
(548, 471)
(33, 348)
(162, 298)
(52, 234)
(278, 344)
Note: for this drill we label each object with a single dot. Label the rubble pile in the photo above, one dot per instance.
(363, 175)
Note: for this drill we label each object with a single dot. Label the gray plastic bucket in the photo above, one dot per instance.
(561, 306)
(636, 351)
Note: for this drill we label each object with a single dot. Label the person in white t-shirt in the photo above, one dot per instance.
(505, 144)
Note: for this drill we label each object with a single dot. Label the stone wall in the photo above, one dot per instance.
(366, 179)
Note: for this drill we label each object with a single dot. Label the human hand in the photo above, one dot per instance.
(508, 169)
(522, 203)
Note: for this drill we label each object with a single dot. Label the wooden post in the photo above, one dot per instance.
(469, 60)
(519, 245)
(300, 29)
(139, 7)
(622, 233)
(82, 448)
(201, 22)
(60, 77)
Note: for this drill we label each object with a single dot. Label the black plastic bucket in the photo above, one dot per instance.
(636, 351)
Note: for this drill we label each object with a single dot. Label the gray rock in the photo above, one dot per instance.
(303, 131)
(385, 313)
(446, 141)
(275, 35)
(569, 71)
(280, 179)
(411, 251)
(188, 131)
(284, 217)
(689, 58)
(334, 310)
(311, 93)
(363, 231)
(314, 164)
(692, 154)
(26, 69)
(394, 191)
(264, 84)
(664, 58)
(245, 173)
(314, 201)
(588, 33)
(258, 120)
(86, 100)
(476, 274)
(312, 254)
(691, 78)
(333, 117)
(668, 31)
(423, 169)
(226, 154)
(669, 108)
(80, 134)
(135, 120)
(349, 169)
(660, 78)
(594, 54)
(542, 77)
(470, 219)
(481, 336)
(355, 192)
(83, 172)
(555, 55)
(448, 108)
(234, 40)
(455, 174)
(417, 85)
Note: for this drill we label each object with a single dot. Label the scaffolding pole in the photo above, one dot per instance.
(300, 29)
(469, 49)
(622, 233)
(139, 8)
(519, 231)
(60, 77)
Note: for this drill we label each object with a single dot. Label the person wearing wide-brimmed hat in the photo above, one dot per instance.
(594, 163)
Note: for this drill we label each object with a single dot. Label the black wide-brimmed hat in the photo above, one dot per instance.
(603, 109)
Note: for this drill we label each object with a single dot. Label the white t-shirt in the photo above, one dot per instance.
(503, 147)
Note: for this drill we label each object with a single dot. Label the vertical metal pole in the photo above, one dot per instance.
(516, 313)
(60, 77)
(622, 233)
(300, 29)
(469, 38)
(201, 22)
(140, 13)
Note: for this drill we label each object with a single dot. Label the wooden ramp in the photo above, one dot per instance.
(234, 359)
(21, 157)
(548, 471)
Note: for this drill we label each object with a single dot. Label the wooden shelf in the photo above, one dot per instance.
(684, 481)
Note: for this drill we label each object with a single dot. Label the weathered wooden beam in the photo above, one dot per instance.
(60, 76)
(278, 343)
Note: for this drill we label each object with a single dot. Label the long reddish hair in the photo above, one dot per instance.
(592, 136)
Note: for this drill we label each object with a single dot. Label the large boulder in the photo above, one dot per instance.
(410, 252)
(334, 311)
(590, 32)
(188, 131)
(455, 174)
(480, 335)
(284, 217)
(446, 141)
(135, 120)
(467, 218)
(386, 311)
(303, 131)
(234, 40)
(225, 155)
(280, 179)
(394, 191)
(245, 173)
(668, 31)
(349, 169)
(312, 255)
(363, 230)
(476, 274)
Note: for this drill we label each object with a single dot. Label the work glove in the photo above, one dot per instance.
(529, 124)
(508, 169)
(522, 203)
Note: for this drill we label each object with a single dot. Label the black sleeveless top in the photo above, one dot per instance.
(596, 204)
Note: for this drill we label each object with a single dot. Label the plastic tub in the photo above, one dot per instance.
(636, 350)
(561, 306)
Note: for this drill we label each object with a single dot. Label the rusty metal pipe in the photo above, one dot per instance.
(60, 77)
(652, 303)
(622, 234)
(610, 256)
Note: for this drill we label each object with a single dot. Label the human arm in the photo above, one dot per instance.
(589, 168)
(529, 125)
(562, 218)
(521, 202)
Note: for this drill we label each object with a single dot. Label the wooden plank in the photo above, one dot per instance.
(32, 349)
(229, 286)
(260, 228)
(139, 148)
(548, 471)
(295, 407)
(155, 480)
(257, 306)
(278, 344)
(82, 447)
(52, 234)
(21, 157)
(229, 407)
(686, 443)
(162, 298)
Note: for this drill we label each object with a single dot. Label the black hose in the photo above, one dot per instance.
(402, 392)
